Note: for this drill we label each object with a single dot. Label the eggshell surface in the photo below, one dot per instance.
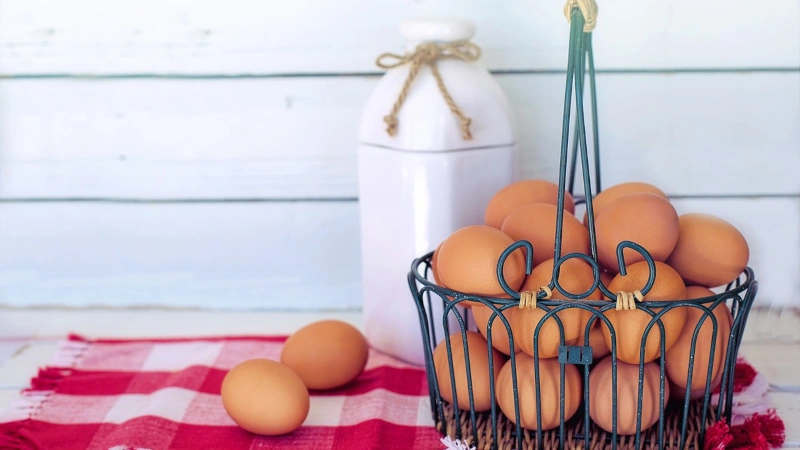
(645, 219)
(483, 313)
(327, 354)
(520, 193)
(536, 223)
(478, 351)
(467, 261)
(630, 326)
(575, 277)
(710, 251)
(434, 265)
(601, 396)
(677, 358)
(604, 198)
(265, 397)
(549, 391)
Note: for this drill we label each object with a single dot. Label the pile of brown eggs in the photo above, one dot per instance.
(692, 253)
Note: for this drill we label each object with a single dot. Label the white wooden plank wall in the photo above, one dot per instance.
(202, 153)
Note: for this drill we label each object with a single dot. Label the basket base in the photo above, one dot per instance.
(599, 439)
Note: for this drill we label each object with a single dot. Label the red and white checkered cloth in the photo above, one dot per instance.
(164, 394)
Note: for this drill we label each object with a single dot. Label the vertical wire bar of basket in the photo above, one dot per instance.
(432, 336)
(595, 126)
(470, 393)
(574, 73)
(537, 387)
(433, 389)
(739, 323)
(581, 123)
(614, 390)
(662, 377)
(574, 27)
(725, 395)
(562, 394)
(451, 369)
(586, 400)
(515, 390)
(492, 392)
(707, 391)
(588, 59)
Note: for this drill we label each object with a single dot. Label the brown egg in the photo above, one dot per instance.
(601, 387)
(521, 193)
(326, 354)
(710, 251)
(596, 341)
(646, 219)
(536, 223)
(549, 391)
(265, 397)
(468, 259)
(604, 198)
(629, 326)
(434, 262)
(575, 277)
(479, 369)
(482, 313)
(677, 358)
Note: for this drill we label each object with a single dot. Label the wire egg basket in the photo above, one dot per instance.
(681, 423)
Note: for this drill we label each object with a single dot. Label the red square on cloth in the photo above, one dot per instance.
(164, 394)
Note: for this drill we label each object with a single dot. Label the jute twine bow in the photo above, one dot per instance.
(429, 53)
(626, 301)
(527, 299)
(588, 9)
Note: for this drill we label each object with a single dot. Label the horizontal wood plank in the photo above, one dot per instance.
(291, 256)
(295, 255)
(310, 36)
(690, 134)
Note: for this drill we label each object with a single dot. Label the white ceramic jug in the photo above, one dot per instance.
(426, 181)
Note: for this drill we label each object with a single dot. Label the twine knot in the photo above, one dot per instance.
(588, 9)
(427, 54)
(626, 301)
(527, 299)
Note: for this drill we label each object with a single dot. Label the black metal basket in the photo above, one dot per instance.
(680, 425)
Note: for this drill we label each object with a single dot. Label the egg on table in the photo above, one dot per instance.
(327, 354)
(265, 397)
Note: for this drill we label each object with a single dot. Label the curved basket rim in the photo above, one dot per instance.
(734, 288)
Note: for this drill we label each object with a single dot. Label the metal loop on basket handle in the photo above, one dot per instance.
(588, 9)
(501, 278)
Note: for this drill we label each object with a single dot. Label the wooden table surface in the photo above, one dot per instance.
(29, 338)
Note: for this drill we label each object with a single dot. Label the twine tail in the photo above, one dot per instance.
(391, 118)
(466, 134)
